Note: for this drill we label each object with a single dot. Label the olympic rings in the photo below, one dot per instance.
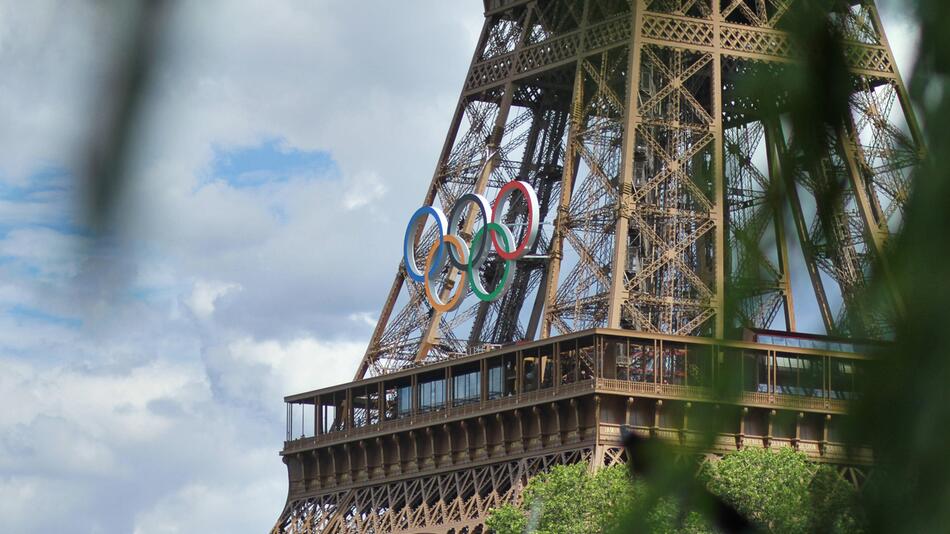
(408, 247)
(504, 196)
(455, 217)
(473, 267)
(431, 294)
(470, 258)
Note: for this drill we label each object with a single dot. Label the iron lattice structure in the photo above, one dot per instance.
(660, 184)
(663, 188)
(445, 500)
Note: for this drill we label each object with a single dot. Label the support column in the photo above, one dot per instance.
(430, 336)
(875, 230)
(562, 218)
(777, 196)
(801, 228)
(618, 286)
(370, 357)
(718, 211)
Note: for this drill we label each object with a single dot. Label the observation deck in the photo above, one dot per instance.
(570, 395)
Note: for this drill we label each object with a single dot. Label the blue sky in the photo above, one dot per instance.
(255, 240)
(281, 148)
(271, 161)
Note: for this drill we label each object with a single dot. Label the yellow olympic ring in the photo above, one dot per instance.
(462, 251)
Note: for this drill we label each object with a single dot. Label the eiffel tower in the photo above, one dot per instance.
(658, 188)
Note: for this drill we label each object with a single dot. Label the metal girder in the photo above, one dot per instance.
(456, 501)
(667, 29)
(662, 194)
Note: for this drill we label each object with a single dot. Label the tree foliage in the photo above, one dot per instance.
(567, 499)
(781, 491)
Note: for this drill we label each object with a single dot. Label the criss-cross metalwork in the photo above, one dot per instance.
(662, 193)
(671, 203)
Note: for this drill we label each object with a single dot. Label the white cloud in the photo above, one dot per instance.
(201, 507)
(902, 33)
(301, 364)
(205, 294)
(148, 384)
(47, 252)
(363, 189)
(368, 319)
(161, 411)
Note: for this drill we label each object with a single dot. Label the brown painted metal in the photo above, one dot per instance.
(445, 468)
(663, 197)
(651, 189)
(777, 195)
(618, 288)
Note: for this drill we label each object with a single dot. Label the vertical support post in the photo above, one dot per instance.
(598, 357)
(561, 220)
(396, 288)
(798, 427)
(449, 388)
(577, 361)
(431, 333)
(414, 394)
(687, 357)
(876, 232)
(348, 411)
(742, 415)
(316, 417)
(777, 196)
(801, 228)
(381, 403)
(902, 95)
(519, 373)
(774, 372)
(483, 380)
(824, 432)
(289, 420)
(771, 423)
(827, 375)
(597, 455)
(318, 407)
(618, 287)
(719, 190)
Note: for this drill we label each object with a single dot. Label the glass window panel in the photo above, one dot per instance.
(674, 365)
(812, 376)
(787, 372)
(432, 395)
(585, 361)
(466, 388)
(569, 368)
(404, 401)
(496, 381)
(755, 372)
(511, 376)
(547, 372)
(842, 379)
(641, 362)
(699, 367)
(531, 373)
